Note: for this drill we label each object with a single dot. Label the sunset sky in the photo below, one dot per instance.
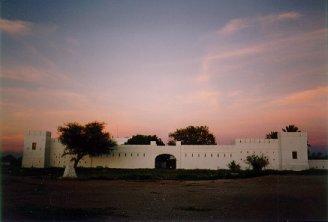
(244, 68)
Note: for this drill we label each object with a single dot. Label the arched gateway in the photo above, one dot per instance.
(165, 161)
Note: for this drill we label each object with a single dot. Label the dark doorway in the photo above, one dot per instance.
(165, 161)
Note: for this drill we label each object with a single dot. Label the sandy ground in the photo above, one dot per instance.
(271, 198)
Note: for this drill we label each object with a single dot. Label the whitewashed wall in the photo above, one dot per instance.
(290, 142)
(213, 157)
(318, 164)
(39, 157)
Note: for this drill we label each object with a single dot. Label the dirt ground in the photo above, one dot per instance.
(271, 198)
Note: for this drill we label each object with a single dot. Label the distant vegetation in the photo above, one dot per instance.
(272, 135)
(233, 166)
(257, 162)
(144, 140)
(291, 128)
(193, 135)
(153, 174)
(318, 156)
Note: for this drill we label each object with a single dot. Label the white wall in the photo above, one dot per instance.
(293, 142)
(318, 164)
(36, 158)
(213, 157)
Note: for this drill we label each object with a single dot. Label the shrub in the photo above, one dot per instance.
(257, 162)
(233, 166)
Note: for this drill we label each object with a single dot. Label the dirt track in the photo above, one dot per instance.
(271, 198)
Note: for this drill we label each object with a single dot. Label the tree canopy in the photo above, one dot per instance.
(272, 135)
(193, 135)
(291, 128)
(144, 140)
(81, 140)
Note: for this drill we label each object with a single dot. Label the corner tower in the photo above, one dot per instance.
(293, 151)
(36, 152)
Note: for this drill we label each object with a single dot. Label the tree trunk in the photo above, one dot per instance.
(70, 169)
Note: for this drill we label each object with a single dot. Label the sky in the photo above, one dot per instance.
(243, 68)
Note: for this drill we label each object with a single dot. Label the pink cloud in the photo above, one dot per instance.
(290, 46)
(33, 74)
(238, 24)
(15, 27)
(310, 96)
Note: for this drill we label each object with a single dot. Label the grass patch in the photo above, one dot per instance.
(154, 174)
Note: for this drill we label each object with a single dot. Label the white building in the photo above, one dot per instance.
(288, 152)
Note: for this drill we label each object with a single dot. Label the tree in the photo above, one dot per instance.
(171, 143)
(257, 162)
(82, 140)
(233, 166)
(144, 140)
(272, 135)
(193, 135)
(291, 128)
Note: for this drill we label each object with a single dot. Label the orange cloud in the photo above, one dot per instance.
(304, 97)
(32, 74)
(15, 27)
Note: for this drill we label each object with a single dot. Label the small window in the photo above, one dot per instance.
(192, 155)
(211, 155)
(294, 154)
(198, 154)
(230, 155)
(137, 154)
(223, 155)
(185, 155)
(124, 154)
(33, 146)
(131, 154)
(205, 155)
(144, 155)
(119, 154)
(218, 155)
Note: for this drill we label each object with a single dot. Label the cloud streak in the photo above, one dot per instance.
(15, 27)
(32, 74)
(236, 25)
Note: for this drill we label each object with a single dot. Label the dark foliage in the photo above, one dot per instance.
(154, 174)
(291, 128)
(272, 135)
(257, 162)
(171, 143)
(10, 160)
(233, 166)
(85, 140)
(193, 135)
(144, 140)
(318, 156)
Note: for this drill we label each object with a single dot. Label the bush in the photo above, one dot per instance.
(233, 166)
(257, 162)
